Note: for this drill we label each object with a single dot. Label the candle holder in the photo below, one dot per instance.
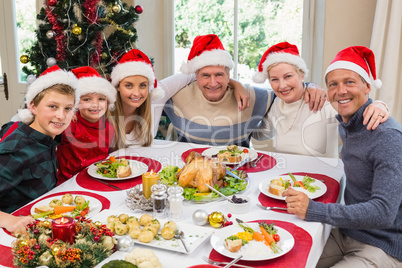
(64, 229)
(148, 179)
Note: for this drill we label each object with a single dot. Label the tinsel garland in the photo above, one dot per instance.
(96, 56)
(59, 35)
(93, 244)
(118, 27)
(90, 7)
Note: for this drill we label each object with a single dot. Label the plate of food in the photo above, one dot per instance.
(144, 229)
(251, 242)
(117, 169)
(67, 205)
(274, 187)
(230, 155)
(199, 171)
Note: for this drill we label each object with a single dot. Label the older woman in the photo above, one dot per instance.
(292, 125)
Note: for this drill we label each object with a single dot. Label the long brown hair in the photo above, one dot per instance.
(142, 128)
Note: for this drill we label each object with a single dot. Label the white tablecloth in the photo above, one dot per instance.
(170, 153)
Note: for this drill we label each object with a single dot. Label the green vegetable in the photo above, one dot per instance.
(108, 169)
(119, 264)
(233, 237)
(42, 215)
(245, 227)
(292, 177)
(78, 209)
(168, 175)
(307, 180)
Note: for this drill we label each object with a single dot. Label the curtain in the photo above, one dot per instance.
(386, 43)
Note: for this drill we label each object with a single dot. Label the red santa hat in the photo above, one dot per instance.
(50, 77)
(90, 81)
(358, 59)
(207, 50)
(281, 52)
(133, 63)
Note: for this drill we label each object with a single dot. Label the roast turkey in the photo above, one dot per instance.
(199, 170)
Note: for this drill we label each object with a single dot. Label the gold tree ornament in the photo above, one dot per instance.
(104, 55)
(216, 219)
(24, 59)
(23, 243)
(77, 30)
(116, 8)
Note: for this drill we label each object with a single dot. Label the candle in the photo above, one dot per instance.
(148, 179)
(64, 229)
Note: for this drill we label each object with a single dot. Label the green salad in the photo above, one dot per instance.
(231, 185)
(109, 167)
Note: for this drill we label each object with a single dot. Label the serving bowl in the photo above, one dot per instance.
(239, 208)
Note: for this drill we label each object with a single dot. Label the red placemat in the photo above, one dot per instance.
(266, 162)
(86, 181)
(329, 197)
(296, 257)
(6, 257)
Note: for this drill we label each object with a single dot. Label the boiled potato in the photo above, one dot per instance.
(79, 200)
(167, 233)
(154, 223)
(123, 218)
(171, 224)
(132, 219)
(145, 218)
(134, 233)
(145, 236)
(110, 226)
(55, 203)
(112, 218)
(67, 199)
(133, 225)
(152, 229)
(120, 228)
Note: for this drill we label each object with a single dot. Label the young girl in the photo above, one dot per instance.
(136, 117)
(28, 148)
(89, 136)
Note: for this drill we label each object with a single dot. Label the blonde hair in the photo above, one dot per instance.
(298, 70)
(142, 128)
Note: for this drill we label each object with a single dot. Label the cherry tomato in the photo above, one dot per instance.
(245, 151)
(84, 212)
(276, 237)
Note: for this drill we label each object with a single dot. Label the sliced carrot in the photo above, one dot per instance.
(260, 238)
(267, 236)
(300, 184)
(63, 209)
(112, 159)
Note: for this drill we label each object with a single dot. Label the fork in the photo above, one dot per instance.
(254, 164)
(208, 260)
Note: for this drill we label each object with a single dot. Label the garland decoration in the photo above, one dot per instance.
(60, 37)
(93, 243)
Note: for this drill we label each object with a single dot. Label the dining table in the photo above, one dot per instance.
(310, 237)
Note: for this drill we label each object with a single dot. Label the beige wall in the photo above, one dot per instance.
(347, 23)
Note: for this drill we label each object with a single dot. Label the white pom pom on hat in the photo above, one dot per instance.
(135, 62)
(281, 52)
(359, 59)
(50, 77)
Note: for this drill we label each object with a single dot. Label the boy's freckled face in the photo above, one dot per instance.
(92, 106)
(53, 114)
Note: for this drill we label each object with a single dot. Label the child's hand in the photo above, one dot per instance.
(15, 224)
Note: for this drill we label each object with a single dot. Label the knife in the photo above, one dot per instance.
(271, 208)
(108, 184)
(232, 174)
(241, 163)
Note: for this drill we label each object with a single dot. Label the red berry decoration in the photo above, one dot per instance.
(138, 9)
(36, 231)
(52, 3)
(229, 215)
(37, 247)
(96, 238)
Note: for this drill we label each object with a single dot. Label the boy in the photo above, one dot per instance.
(28, 148)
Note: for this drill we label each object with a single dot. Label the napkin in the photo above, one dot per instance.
(329, 197)
(296, 257)
(86, 181)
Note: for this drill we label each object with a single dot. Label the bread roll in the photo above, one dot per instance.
(123, 171)
(234, 245)
(276, 189)
(228, 157)
(41, 209)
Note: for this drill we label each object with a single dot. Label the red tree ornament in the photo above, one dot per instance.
(138, 9)
(52, 3)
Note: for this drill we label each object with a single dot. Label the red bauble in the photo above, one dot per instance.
(138, 9)
(52, 2)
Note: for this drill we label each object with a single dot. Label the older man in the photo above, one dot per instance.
(206, 111)
(369, 232)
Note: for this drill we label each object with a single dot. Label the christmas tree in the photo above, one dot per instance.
(77, 33)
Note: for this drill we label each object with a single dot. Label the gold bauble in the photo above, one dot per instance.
(76, 30)
(23, 243)
(55, 250)
(116, 8)
(216, 219)
(24, 59)
(46, 224)
(98, 224)
(104, 56)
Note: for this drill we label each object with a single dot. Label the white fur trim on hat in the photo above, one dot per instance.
(157, 93)
(98, 85)
(25, 115)
(347, 65)
(131, 68)
(208, 58)
(279, 57)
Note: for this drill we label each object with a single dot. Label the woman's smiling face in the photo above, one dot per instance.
(286, 82)
(133, 91)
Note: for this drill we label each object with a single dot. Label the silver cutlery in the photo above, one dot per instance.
(233, 262)
(179, 235)
(108, 184)
(208, 260)
(271, 208)
(216, 191)
(232, 174)
(242, 163)
(254, 164)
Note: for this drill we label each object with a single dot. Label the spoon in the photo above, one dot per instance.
(179, 235)
(233, 262)
(219, 193)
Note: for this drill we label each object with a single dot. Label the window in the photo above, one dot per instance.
(246, 28)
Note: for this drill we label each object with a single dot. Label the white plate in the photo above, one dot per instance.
(95, 206)
(137, 169)
(286, 243)
(194, 235)
(214, 150)
(264, 186)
